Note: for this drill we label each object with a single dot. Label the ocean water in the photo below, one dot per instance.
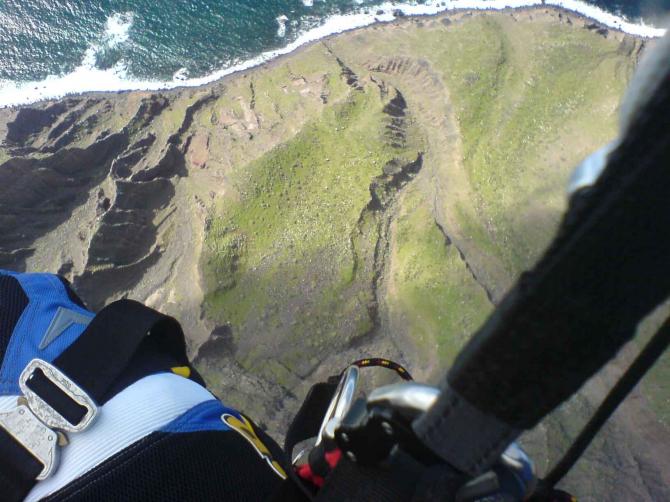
(49, 48)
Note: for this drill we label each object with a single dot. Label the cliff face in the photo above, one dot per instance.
(373, 194)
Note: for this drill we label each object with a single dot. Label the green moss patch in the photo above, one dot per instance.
(431, 289)
(281, 253)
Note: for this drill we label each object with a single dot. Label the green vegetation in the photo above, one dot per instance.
(282, 254)
(521, 97)
(289, 259)
(430, 286)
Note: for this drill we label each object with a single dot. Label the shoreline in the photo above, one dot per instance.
(54, 88)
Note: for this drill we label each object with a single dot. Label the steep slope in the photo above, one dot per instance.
(373, 194)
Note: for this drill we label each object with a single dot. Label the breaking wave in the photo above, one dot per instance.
(103, 69)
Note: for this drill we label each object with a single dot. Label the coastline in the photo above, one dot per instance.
(91, 81)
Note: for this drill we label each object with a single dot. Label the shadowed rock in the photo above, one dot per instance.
(172, 164)
(178, 137)
(219, 345)
(148, 110)
(30, 121)
(122, 166)
(116, 280)
(37, 195)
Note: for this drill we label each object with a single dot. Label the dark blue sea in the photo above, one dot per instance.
(53, 47)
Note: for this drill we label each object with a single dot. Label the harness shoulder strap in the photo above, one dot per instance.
(66, 393)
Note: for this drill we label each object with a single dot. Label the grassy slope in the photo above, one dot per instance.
(521, 91)
(289, 206)
(279, 252)
(516, 120)
(430, 288)
(532, 99)
(522, 96)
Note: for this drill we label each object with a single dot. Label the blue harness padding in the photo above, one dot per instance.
(52, 320)
(41, 318)
(48, 325)
(203, 417)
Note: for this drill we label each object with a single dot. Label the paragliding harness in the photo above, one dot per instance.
(607, 269)
(62, 398)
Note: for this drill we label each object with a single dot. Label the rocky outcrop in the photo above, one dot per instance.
(30, 121)
(122, 166)
(38, 194)
(147, 111)
(178, 137)
(374, 224)
(172, 163)
(105, 197)
(347, 74)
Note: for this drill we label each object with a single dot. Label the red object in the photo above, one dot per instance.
(333, 457)
(305, 471)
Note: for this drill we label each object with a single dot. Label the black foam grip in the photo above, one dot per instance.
(608, 267)
(13, 301)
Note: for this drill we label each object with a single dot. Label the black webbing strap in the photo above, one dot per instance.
(104, 350)
(400, 479)
(350, 482)
(97, 361)
(562, 322)
(18, 469)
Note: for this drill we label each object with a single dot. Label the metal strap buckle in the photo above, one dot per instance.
(43, 410)
(340, 404)
(33, 421)
(34, 436)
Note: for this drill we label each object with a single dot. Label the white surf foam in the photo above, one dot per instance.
(87, 78)
(117, 29)
(281, 21)
(117, 32)
(181, 75)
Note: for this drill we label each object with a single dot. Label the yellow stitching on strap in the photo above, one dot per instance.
(183, 371)
(246, 430)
